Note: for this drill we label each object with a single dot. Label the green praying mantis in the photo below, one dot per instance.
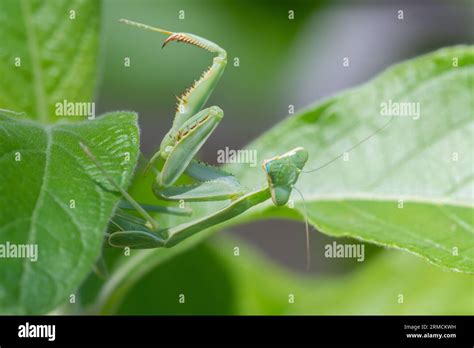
(191, 127)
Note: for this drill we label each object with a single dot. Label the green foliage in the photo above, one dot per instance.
(51, 197)
(57, 54)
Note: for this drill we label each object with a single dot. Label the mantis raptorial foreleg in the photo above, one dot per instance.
(190, 130)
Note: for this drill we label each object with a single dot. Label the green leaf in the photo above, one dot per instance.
(214, 281)
(52, 195)
(410, 185)
(46, 55)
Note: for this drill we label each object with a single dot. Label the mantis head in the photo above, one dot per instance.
(283, 172)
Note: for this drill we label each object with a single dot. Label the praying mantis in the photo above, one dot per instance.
(192, 126)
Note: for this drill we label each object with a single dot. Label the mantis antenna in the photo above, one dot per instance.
(350, 148)
(308, 250)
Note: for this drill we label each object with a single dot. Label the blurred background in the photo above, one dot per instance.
(297, 61)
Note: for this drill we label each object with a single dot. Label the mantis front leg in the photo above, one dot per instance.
(190, 130)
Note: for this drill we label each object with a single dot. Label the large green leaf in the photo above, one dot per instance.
(214, 281)
(53, 196)
(410, 159)
(48, 54)
(410, 186)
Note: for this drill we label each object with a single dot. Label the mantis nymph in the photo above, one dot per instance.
(191, 128)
